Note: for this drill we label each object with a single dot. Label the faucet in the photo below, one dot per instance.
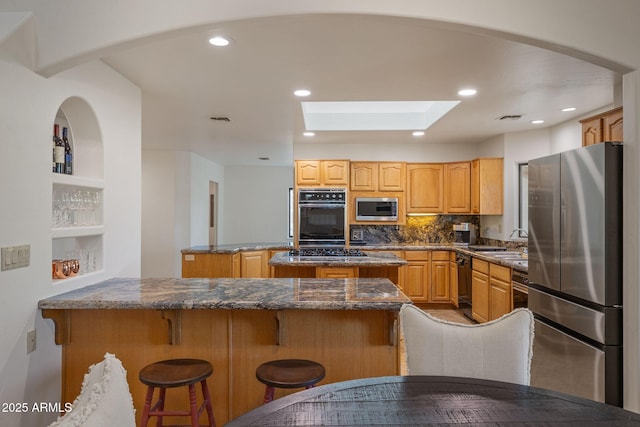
(519, 229)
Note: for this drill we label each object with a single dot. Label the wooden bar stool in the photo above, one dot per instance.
(177, 373)
(288, 373)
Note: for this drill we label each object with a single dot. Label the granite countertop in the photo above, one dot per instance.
(236, 247)
(269, 294)
(373, 259)
(351, 262)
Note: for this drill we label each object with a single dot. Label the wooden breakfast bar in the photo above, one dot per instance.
(348, 325)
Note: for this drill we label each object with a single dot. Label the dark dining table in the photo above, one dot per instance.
(432, 400)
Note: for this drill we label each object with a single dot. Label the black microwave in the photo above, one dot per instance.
(376, 209)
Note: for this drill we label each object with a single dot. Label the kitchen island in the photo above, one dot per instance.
(348, 325)
(363, 264)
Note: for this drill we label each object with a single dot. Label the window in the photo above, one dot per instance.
(523, 199)
(291, 216)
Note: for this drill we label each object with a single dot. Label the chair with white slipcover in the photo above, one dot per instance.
(104, 399)
(498, 350)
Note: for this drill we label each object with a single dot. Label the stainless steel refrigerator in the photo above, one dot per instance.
(575, 271)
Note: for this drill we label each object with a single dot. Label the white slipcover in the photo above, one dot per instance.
(499, 350)
(104, 399)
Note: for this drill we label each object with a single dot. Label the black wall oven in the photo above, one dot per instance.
(322, 219)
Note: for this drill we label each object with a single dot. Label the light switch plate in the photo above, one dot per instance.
(15, 257)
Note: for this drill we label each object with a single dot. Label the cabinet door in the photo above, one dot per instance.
(308, 172)
(612, 126)
(479, 296)
(416, 281)
(453, 279)
(364, 176)
(500, 298)
(487, 186)
(207, 265)
(254, 264)
(336, 272)
(458, 187)
(335, 172)
(391, 176)
(591, 131)
(439, 289)
(425, 187)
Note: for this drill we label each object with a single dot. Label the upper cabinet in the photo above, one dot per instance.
(602, 127)
(378, 176)
(458, 187)
(487, 186)
(329, 173)
(425, 185)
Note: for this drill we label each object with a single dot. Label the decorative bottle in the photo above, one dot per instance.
(68, 155)
(58, 150)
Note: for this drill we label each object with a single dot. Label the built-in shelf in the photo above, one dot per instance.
(77, 200)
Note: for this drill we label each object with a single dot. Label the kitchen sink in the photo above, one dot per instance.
(508, 255)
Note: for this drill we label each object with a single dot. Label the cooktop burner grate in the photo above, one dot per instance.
(344, 252)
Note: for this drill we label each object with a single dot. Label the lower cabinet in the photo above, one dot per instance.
(416, 275)
(480, 290)
(254, 264)
(427, 276)
(500, 298)
(336, 272)
(453, 279)
(251, 264)
(491, 290)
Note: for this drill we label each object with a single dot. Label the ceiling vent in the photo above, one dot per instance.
(511, 117)
(221, 119)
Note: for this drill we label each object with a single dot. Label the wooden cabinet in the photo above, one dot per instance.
(487, 186)
(603, 127)
(254, 264)
(308, 172)
(480, 290)
(416, 275)
(491, 290)
(425, 185)
(391, 176)
(330, 173)
(378, 176)
(336, 272)
(453, 279)
(500, 299)
(458, 187)
(439, 290)
(427, 276)
(364, 176)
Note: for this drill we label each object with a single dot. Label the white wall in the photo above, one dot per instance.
(28, 107)
(255, 204)
(418, 152)
(175, 200)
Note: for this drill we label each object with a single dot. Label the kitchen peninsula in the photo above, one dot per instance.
(348, 325)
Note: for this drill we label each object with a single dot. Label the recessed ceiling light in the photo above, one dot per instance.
(569, 109)
(309, 134)
(418, 133)
(302, 92)
(219, 41)
(537, 122)
(467, 92)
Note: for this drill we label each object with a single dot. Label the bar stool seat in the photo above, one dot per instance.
(177, 373)
(288, 373)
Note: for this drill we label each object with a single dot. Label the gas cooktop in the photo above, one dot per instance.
(343, 252)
